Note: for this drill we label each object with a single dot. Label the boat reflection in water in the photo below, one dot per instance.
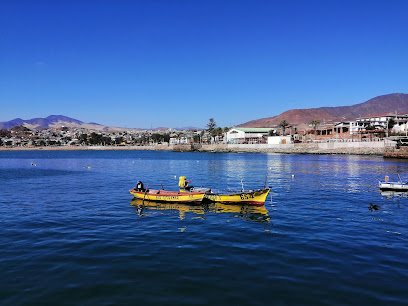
(389, 194)
(248, 212)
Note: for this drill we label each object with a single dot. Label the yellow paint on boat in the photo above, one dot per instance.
(251, 197)
(168, 196)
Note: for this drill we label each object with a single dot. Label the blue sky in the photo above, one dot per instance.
(178, 63)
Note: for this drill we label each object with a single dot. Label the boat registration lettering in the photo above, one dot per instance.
(213, 197)
(167, 197)
(246, 196)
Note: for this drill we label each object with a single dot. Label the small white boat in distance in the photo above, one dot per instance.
(393, 186)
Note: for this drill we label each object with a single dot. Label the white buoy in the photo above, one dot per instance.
(293, 176)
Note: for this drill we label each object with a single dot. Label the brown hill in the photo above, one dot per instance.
(391, 103)
(58, 121)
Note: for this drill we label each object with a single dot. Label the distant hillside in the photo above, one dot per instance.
(396, 102)
(58, 121)
(55, 121)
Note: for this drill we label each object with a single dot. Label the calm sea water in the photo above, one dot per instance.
(71, 235)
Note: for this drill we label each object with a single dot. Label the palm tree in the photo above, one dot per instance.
(315, 123)
(283, 124)
(216, 132)
(390, 124)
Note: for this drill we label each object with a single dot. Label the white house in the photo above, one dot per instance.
(401, 124)
(248, 135)
(279, 139)
(180, 140)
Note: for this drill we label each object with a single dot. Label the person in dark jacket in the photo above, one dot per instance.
(140, 186)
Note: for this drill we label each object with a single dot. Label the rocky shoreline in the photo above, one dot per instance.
(397, 153)
(222, 148)
(293, 150)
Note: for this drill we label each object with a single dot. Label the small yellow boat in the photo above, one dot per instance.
(255, 197)
(167, 196)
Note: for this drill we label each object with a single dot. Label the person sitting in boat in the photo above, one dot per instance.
(139, 186)
(183, 184)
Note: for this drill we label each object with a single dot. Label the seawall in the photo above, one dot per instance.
(357, 148)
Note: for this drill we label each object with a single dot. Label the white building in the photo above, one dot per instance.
(279, 139)
(180, 140)
(380, 122)
(248, 135)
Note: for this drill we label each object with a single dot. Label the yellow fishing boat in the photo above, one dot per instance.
(254, 197)
(167, 196)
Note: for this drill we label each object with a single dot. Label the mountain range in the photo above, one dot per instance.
(58, 121)
(54, 121)
(391, 103)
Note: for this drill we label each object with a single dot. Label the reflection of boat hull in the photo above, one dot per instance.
(393, 186)
(251, 212)
(168, 196)
(255, 197)
(393, 193)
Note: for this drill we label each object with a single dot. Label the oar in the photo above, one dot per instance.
(266, 177)
(399, 178)
(145, 194)
(162, 187)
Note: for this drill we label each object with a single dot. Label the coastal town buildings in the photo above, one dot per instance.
(385, 124)
(382, 122)
(339, 130)
(367, 128)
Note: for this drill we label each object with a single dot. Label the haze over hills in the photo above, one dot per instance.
(58, 121)
(391, 103)
(55, 121)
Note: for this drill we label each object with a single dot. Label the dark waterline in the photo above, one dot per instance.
(71, 234)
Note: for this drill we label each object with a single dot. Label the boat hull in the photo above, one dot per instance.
(168, 196)
(256, 197)
(393, 186)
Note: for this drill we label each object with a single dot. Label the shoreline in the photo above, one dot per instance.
(312, 148)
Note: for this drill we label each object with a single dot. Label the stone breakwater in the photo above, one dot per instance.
(397, 153)
(353, 148)
(312, 148)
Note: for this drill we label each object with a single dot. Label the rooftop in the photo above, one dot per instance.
(253, 130)
(383, 115)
